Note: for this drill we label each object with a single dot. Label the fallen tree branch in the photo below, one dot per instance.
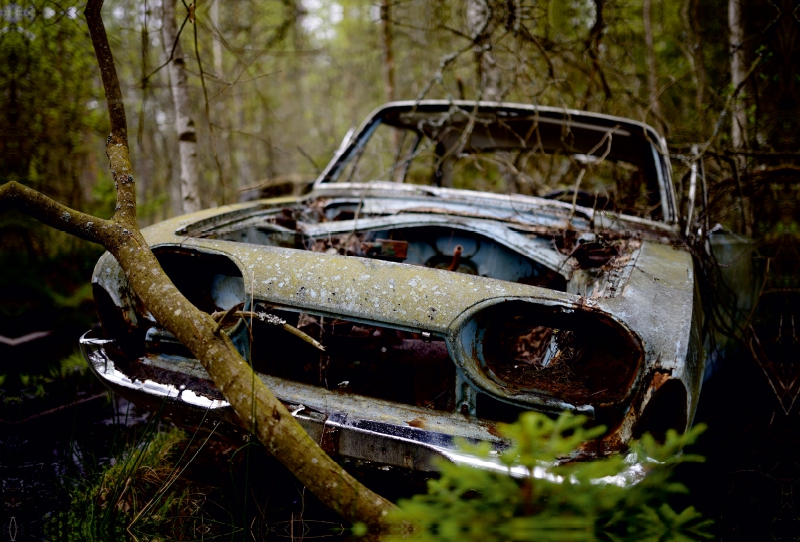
(48, 211)
(256, 406)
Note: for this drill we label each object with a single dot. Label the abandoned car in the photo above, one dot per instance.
(455, 264)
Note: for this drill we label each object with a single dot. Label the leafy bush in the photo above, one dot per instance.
(620, 497)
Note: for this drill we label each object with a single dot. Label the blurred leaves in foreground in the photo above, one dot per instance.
(620, 497)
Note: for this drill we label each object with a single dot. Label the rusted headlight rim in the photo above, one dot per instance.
(481, 377)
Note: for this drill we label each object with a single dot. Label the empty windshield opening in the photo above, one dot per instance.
(601, 167)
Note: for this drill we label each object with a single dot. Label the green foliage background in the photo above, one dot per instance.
(286, 78)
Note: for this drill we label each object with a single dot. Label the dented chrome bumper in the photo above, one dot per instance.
(348, 426)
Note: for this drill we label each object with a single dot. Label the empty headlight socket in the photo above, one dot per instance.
(548, 355)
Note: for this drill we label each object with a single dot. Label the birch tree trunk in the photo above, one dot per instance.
(217, 42)
(480, 24)
(738, 72)
(184, 125)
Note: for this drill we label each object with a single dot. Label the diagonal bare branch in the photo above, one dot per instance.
(14, 195)
(117, 143)
(258, 409)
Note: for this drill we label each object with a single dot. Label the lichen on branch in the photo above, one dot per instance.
(259, 410)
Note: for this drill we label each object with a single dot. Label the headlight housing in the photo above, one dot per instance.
(545, 353)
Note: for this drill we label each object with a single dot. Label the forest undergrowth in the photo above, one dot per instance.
(171, 485)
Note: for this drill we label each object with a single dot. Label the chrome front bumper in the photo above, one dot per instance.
(345, 425)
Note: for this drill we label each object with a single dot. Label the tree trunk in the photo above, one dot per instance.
(225, 157)
(650, 60)
(699, 54)
(738, 71)
(184, 125)
(217, 42)
(388, 52)
(687, 47)
(480, 24)
(244, 145)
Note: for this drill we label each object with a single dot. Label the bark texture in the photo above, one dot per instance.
(593, 48)
(691, 18)
(738, 73)
(481, 26)
(217, 43)
(253, 402)
(184, 124)
(388, 50)
(650, 57)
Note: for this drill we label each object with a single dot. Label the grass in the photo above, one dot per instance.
(170, 485)
(141, 495)
(167, 485)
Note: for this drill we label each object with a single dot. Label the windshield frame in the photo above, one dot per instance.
(657, 158)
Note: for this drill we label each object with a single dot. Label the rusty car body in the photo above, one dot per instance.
(460, 262)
